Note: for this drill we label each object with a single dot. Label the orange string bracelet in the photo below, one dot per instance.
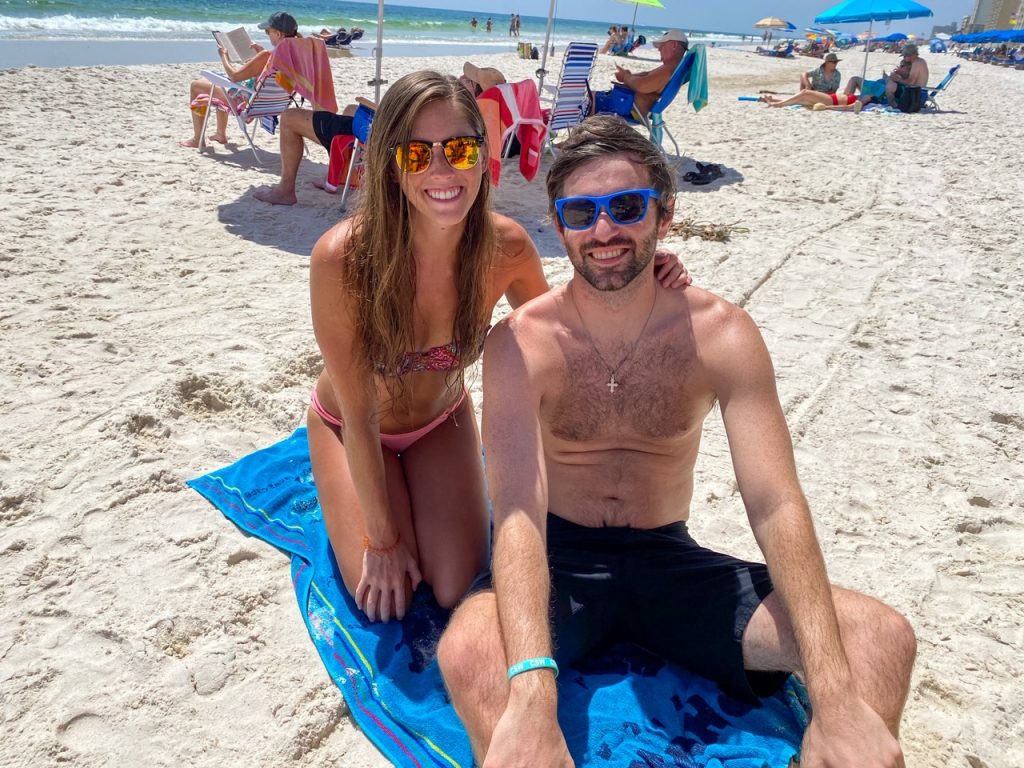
(368, 547)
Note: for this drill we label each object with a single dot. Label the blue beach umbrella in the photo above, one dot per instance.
(859, 11)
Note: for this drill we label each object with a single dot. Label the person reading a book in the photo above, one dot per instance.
(279, 26)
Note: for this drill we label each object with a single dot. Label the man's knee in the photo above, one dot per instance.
(469, 645)
(878, 628)
(900, 636)
(297, 121)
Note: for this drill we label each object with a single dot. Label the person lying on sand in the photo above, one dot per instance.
(594, 399)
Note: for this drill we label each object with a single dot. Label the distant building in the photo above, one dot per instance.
(949, 29)
(994, 14)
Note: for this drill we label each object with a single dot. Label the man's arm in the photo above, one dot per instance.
(762, 453)
(645, 82)
(527, 734)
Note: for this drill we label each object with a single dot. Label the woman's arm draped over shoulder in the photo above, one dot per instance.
(517, 268)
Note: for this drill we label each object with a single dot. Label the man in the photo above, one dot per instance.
(295, 126)
(912, 73)
(594, 398)
(646, 87)
(905, 83)
(824, 78)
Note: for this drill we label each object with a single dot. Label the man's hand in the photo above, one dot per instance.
(849, 734)
(622, 74)
(527, 737)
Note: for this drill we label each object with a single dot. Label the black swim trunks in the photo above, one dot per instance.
(659, 589)
(327, 125)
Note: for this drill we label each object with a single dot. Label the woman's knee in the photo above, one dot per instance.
(451, 584)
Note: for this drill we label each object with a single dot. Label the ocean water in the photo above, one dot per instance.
(185, 20)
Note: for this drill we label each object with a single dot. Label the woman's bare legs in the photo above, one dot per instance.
(806, 98)
(436, 491)
(202, 86)
(444, 472)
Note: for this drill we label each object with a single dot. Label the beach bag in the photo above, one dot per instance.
(617, 101)
(341, 150)
(908, 99)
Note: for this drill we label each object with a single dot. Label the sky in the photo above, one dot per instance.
(727, 16)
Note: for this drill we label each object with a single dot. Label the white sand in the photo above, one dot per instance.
(155, 326)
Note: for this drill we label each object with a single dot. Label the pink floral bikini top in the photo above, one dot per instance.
(444, 357)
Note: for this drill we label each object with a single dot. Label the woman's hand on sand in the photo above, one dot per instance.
(381, 592)
(669, 270)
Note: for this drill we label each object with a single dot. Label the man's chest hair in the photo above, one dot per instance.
(659, 394)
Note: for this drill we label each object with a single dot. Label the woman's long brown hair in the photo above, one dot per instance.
(380, 269)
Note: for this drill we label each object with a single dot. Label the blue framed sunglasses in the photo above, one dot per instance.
(626, 207)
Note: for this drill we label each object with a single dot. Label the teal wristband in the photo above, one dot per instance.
(527, 665)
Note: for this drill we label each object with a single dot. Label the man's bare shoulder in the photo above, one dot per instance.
(708, 312)
(535, 317)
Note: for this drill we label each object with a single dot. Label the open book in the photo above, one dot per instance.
(237, 43)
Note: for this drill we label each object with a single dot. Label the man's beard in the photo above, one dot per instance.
(624, 274)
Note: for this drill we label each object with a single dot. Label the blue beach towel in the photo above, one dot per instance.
(623, 709)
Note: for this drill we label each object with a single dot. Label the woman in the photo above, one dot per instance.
(402, 294)
(278, 26)
(825, 78)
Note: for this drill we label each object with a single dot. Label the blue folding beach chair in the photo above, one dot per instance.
(621, 100)
(930, 92)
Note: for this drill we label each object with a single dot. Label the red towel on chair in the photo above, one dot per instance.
(531, 136)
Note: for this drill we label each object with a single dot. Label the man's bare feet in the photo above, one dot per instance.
(322, 184)
(193, 143)
(275, 196)
(220, 138)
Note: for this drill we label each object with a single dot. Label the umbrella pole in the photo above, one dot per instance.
(378, 52)
(547, 42)
(867, 47)
(636, 7)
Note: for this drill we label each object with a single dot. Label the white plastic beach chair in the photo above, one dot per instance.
(571, 100)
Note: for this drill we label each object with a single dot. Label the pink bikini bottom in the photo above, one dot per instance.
(396, 443)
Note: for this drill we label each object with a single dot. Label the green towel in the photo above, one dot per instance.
(697, 95)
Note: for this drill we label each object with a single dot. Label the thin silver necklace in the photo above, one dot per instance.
(612, 384)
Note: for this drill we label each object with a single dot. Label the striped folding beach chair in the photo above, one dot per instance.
(571, 101)
(264, 102)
